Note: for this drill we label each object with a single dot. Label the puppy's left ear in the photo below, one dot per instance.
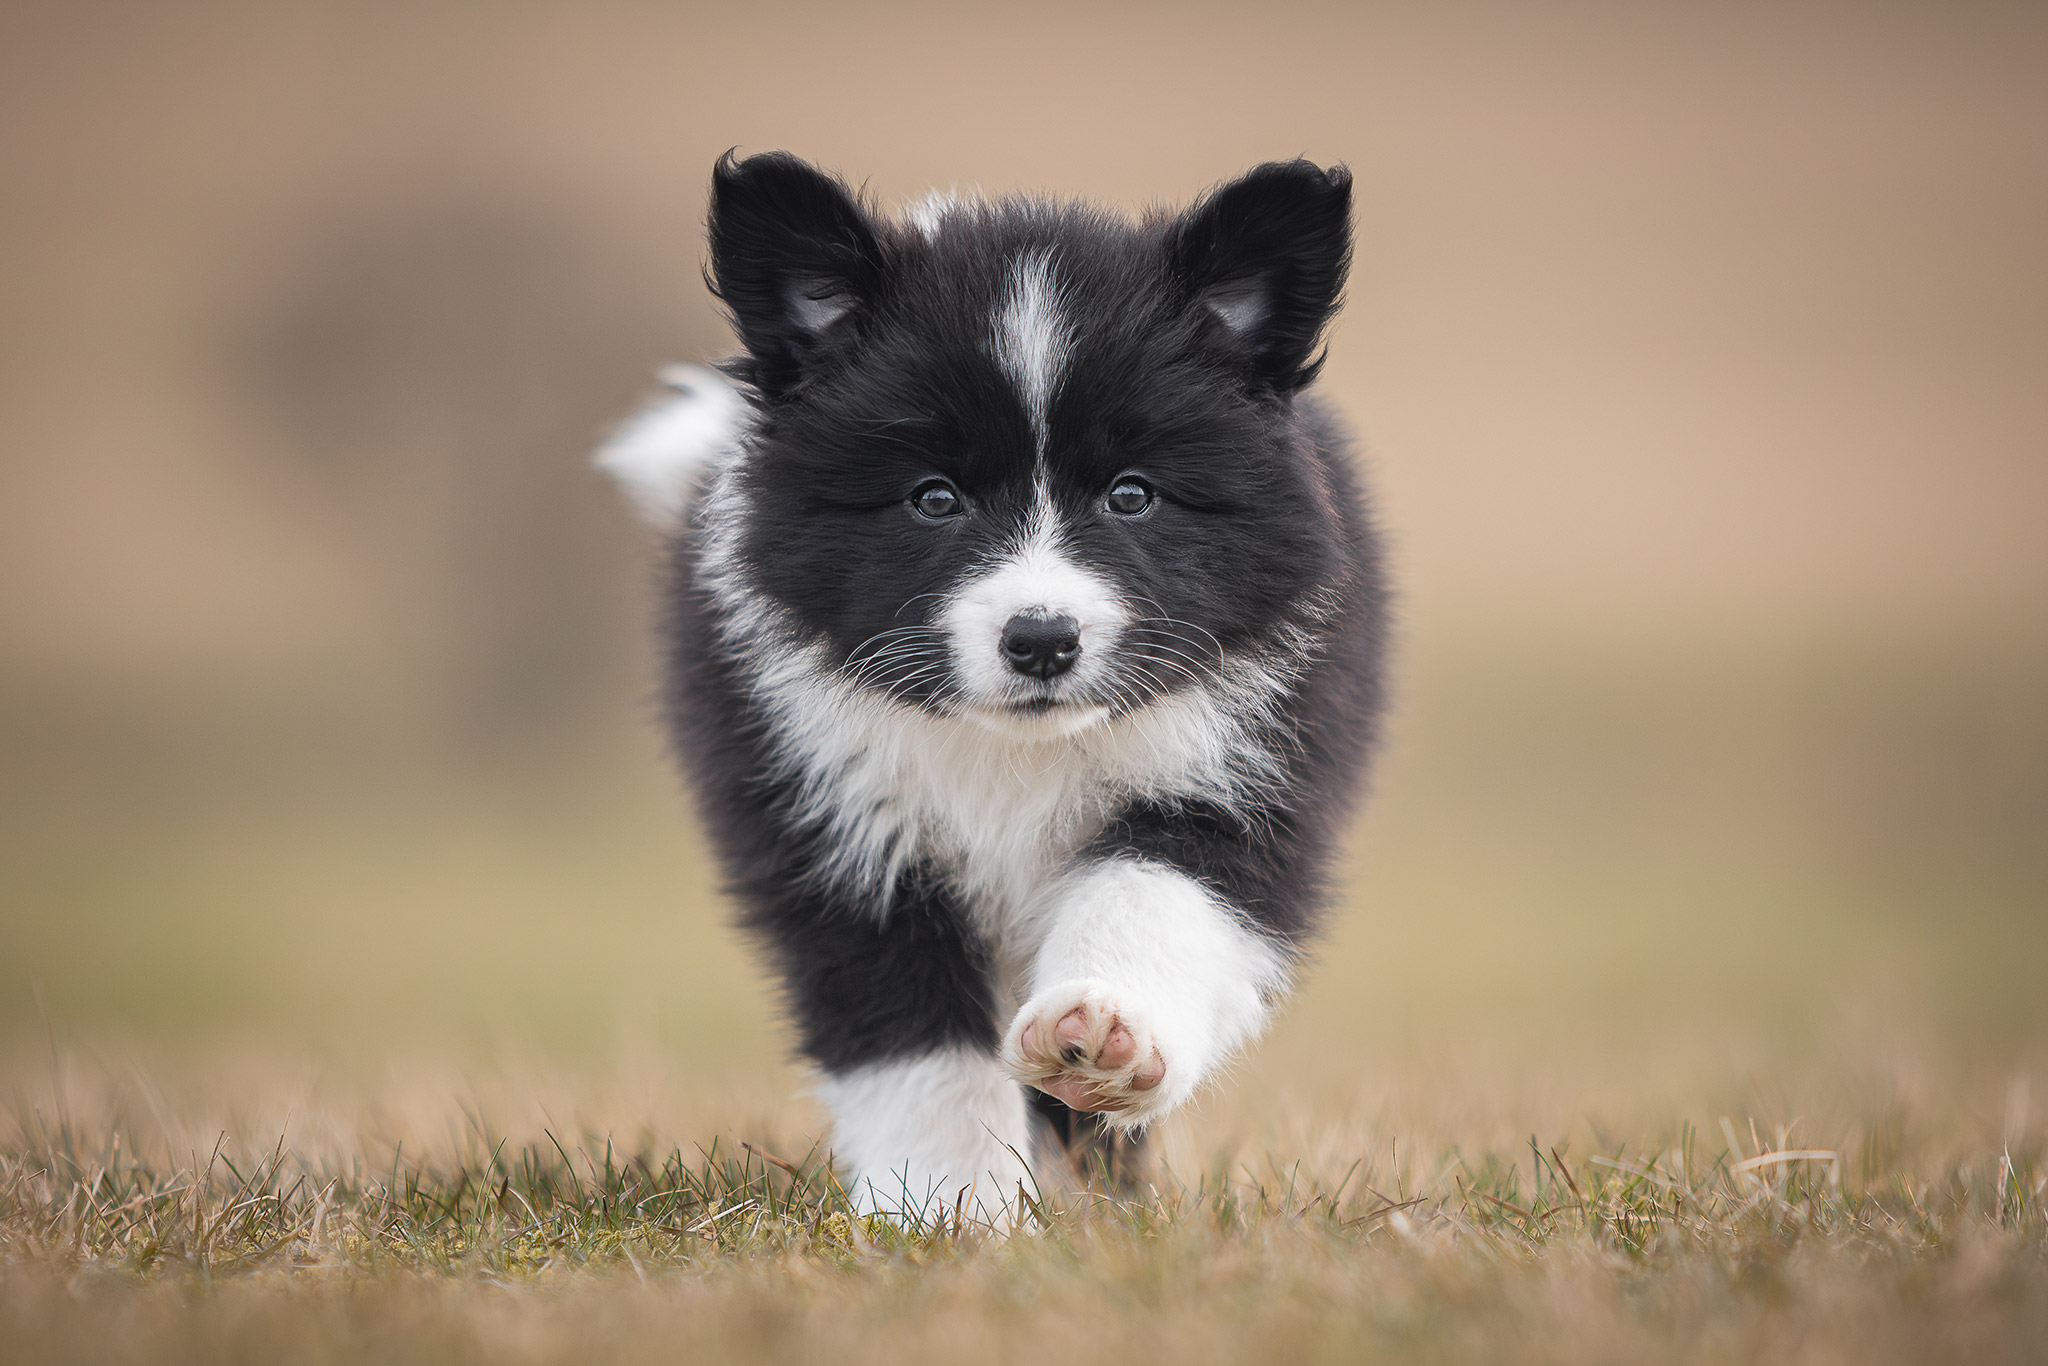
(1265, 257)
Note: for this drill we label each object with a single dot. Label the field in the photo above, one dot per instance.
(497, 1086)
(1422, 1238)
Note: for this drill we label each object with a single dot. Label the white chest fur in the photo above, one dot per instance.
(1000, 810)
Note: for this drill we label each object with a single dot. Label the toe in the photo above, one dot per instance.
(1071, 1034)
(1151, 1074)
(1118, 1048)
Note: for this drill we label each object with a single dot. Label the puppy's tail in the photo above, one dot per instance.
(658, 453)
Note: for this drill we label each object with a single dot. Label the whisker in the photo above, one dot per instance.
(919, 598)
(1168, 663)
(881, 667)
(898, 647)
(1176, 621)
(897, 637)
(892, 632)
(1151, 639)
(1214, 647)
(901, 684)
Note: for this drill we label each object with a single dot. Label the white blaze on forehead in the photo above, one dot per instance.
(1032, 337)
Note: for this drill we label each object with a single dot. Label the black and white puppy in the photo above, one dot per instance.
(1024, 644)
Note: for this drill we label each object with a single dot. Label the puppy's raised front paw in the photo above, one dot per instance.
(1082, 1044)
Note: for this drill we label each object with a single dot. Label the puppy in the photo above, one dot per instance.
(1023, 646)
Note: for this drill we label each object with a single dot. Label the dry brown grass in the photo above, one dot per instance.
(158, 1218)
(443, 1061)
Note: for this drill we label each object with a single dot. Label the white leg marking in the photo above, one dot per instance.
(1032, 337)
(915, 1133)
(1144, 987)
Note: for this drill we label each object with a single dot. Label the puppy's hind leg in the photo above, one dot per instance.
(1084, 1150)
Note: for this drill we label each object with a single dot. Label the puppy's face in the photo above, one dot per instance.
(1026, 463)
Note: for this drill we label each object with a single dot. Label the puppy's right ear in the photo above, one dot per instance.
(794, 258)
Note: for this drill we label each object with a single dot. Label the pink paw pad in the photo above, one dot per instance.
(1090, 1057)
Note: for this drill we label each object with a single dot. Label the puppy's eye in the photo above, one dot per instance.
(937, 500)
(1130, 497)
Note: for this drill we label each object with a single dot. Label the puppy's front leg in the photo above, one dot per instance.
(897, 1011)
(930, 1132)
(1145, 984)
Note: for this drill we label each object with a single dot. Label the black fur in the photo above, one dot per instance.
(869, 365)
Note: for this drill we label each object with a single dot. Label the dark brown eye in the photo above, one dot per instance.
(936, 500)
(1130, 497)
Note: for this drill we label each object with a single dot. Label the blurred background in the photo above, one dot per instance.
(1699, 355)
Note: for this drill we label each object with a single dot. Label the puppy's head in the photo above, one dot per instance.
(1022, 460)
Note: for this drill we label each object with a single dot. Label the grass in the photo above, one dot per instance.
(1884, 1235)
(410, 1066)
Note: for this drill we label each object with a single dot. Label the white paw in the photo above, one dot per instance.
(943, 1131)
(1086, 1044)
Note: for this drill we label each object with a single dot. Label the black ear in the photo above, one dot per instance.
(794, 258)
(1266, 256)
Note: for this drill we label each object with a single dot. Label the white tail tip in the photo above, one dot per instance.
(657, 453)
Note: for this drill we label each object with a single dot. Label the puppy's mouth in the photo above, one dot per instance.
(1039, 718)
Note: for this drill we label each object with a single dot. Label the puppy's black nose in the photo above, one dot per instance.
(1043, 647)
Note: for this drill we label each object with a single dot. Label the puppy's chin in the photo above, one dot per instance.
(1040, 721)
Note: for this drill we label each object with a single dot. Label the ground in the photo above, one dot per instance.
(1687, 1014)
(1906, 1220)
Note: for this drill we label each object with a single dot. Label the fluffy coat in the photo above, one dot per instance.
(1024, 644)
